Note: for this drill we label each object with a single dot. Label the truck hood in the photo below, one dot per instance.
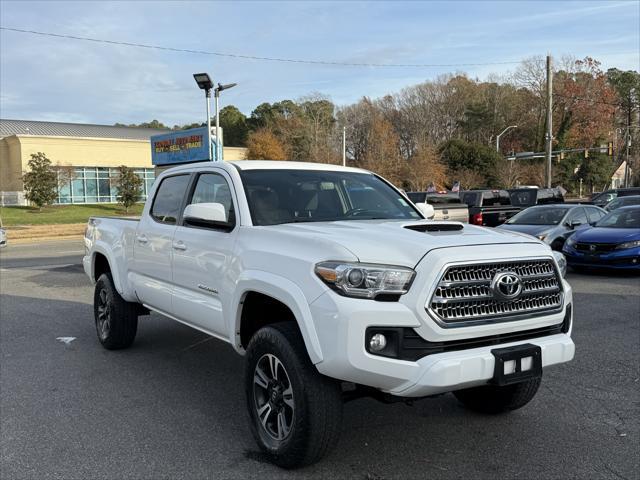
(391, 242)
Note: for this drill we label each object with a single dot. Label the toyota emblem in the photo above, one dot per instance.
(506, 286)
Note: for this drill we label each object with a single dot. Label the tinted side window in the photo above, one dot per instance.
(594, 214)
(168, 199)
(577, 215)
(213, 188)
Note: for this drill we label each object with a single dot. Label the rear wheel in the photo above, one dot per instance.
(295, 412)
(495, 399)
(116, 319)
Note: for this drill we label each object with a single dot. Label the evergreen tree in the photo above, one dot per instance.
(41, 181)
(129, 187)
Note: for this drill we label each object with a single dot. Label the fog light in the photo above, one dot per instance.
(378, 342)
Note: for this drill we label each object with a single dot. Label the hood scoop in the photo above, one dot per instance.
(436, 227)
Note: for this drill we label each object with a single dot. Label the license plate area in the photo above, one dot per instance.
(516, 364)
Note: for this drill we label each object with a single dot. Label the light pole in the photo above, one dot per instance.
(217, 91)
(502, 133)
(205, 83)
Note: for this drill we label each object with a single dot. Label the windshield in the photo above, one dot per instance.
(539, 216)
(621, 219)
(289, 196)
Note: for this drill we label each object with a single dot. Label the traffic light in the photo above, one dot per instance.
(610, 149)
(586, 153)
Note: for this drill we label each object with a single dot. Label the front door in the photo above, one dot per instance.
(153, 247)
(202, 258)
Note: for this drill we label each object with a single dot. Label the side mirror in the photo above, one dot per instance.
(573, 224)
(427, 210)
(206, 215)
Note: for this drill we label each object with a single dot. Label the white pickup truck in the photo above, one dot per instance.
(334, 286)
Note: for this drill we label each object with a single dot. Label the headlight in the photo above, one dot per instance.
(625, 245)
(562, 262)
(571, 241)
(365, 280)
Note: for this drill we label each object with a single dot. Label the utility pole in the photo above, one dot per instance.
(344, 146)
(627, 167)
(549, 134)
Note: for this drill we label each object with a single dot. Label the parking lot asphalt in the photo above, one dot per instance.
(172, 406)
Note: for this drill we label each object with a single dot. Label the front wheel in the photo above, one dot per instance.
(295, 412)
(495, 399)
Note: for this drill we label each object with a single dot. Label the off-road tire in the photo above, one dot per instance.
(495, 399)
(317, 399)
(122, 316)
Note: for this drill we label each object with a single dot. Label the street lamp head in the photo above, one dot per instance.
(226, 86)
(203, 81)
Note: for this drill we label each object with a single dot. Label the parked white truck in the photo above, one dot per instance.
(332, 284)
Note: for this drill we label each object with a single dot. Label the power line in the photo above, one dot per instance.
(253, 57)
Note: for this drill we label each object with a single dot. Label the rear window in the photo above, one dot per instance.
(470, 198)
(443, 199)
(523, 198)
(168, 200)
(417, 197)
(629, 192)
(495, 199)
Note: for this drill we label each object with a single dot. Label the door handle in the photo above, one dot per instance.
(142, 239)
(179, 245)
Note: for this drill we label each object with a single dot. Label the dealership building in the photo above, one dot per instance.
(93, 152)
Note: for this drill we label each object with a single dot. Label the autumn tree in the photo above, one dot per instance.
(129, 187)
(583, 104)
(423, 168)
(41, 181)
(469, 179)
(264, 145)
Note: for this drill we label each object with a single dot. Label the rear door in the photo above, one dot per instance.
(203, 255)
(153, 250)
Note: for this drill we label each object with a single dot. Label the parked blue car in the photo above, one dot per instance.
(612, 242)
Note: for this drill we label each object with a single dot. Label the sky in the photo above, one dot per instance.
(59, 79)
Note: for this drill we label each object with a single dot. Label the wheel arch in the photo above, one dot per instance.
(102, 260)
(277, 296)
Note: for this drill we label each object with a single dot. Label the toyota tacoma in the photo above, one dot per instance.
(333, 285)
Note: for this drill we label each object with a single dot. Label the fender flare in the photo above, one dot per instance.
(284, 291)
(101, 248)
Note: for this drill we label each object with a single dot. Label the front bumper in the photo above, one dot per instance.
(628, 259)
(343, 334)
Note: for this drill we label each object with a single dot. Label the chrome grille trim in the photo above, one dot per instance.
(463, 294)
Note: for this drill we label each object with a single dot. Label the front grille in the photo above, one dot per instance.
(464, 292)
(597, 247)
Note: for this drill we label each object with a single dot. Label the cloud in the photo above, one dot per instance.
(44, 77)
